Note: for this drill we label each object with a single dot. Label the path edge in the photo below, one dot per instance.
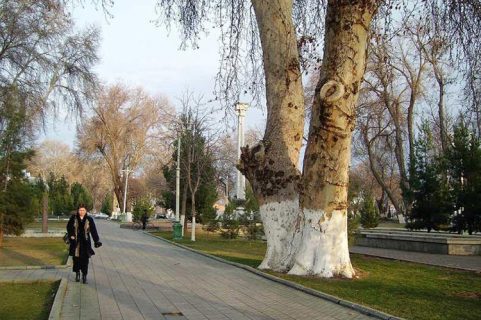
(59, 266)
(58, 301)
(360, 308)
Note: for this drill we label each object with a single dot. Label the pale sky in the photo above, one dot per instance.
(137, 53)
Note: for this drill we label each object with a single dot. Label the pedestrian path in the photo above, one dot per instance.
(470, 263)
(135, 276)
(139, 277)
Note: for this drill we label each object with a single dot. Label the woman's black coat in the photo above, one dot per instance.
(84, 242)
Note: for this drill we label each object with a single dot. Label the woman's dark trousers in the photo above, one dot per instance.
(81, 264)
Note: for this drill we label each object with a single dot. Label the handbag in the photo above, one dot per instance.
(66, 238)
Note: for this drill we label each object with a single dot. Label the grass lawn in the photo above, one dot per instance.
(29, 301)
(404, 289)
(33, 252)
(52, 224)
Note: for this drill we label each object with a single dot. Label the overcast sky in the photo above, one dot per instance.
(136, 52)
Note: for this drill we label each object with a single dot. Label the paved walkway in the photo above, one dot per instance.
(471, 263)
(134, 276)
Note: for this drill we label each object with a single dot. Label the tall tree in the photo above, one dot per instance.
(196, 161)
(44, 57)
(80, 196)
(305, 215)
(123, 128)
(464, 167)
(432, 206)
(59, 196)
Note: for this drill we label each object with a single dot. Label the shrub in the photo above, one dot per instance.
(139, 207)
(369, 213)
(230, 226)
(252, 228)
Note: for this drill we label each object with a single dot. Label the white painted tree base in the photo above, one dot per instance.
(324, 248)
(279, 220)
(305, 243)
(192, 234)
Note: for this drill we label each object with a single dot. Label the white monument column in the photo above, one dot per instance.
(240, 109)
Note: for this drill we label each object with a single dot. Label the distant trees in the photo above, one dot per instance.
(124, 129)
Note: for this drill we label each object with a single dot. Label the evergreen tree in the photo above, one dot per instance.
(59, 197)
(369, 212)
(431, 206)
(16, 193)
(464, 166)
(206, 194)
(107, 204)
(80, 195)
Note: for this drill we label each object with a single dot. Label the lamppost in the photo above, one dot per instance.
(178, 226)
(240, 109)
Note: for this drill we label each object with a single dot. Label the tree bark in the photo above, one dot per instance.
(192, 232)
(438, 74)
(324, 248)
(272, 166)
(380, 180)
(183, 208)
(1, 230)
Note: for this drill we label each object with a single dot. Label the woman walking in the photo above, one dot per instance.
(80, 229)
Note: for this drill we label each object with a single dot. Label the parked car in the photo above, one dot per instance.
(101, 215)
(160, 216)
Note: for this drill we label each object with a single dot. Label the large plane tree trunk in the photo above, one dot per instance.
(305, 218)
(324, 248)
(272, 165)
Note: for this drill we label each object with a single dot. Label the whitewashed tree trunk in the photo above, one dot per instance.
(271, 166)
(182, 222)
(280, 220)
(324, 247)
(192, 235)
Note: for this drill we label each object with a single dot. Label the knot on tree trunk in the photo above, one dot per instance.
(252, 159)
(332, 91)
(267, 174)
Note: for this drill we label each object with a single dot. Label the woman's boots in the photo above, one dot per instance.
(77, 277)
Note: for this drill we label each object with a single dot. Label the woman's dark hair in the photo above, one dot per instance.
(81, 205)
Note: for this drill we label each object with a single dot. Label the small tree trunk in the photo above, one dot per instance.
(192, 234)
(1, 230)
(45, 212)
(119, 193)
(324, 246)
(183, 209)
(442, 114)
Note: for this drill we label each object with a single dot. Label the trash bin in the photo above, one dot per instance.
(177, 228)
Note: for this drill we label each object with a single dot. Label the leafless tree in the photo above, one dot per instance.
(123, 127)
